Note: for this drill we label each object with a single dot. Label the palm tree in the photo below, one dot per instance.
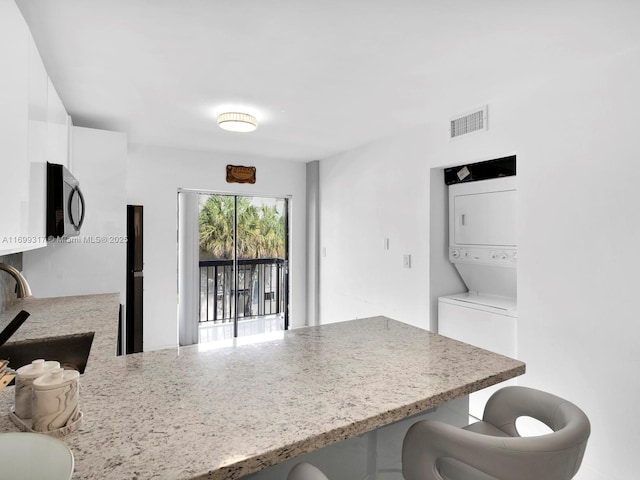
(260, 234)
(261, 230)
(216, 227)
(272, 238)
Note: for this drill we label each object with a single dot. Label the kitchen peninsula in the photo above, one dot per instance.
(206, 412)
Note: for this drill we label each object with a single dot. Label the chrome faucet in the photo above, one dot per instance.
(23, 287)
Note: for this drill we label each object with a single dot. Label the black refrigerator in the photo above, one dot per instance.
(135, 277)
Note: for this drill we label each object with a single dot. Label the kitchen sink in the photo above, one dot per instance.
(72, 351)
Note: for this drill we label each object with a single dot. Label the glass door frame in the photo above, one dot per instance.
(287, 244)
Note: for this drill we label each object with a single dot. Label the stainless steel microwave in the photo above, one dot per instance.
(65, 203)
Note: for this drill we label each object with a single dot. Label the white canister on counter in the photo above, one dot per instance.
(24, 384)
(55, 400)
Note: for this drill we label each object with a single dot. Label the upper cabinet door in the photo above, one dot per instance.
(14, 91)
(37, 143)
(33, 130)
(57, 128)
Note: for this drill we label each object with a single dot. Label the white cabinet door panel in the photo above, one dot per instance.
(57, 128)
(14, 194)
(37, 144)
(27, 108)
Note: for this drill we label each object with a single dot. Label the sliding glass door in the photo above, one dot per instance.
(243, 266)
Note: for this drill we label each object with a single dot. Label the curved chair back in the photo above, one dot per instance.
(306, 471)
(493, 448)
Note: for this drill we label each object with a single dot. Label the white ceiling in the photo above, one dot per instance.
(322, 76)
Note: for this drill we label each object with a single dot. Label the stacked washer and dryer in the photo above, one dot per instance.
(483, 249)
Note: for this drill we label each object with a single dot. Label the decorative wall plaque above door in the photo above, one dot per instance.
(240, 174)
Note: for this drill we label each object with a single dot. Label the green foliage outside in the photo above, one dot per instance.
(261, 229)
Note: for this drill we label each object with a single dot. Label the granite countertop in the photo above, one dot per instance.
(200, 412)
(67, 315)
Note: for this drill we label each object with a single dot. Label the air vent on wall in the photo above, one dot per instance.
(468, 123)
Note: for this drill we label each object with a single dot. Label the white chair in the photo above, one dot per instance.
(306, 471)
(492, 449)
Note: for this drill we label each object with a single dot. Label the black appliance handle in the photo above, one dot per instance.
(75, 224)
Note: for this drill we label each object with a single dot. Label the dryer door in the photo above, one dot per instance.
(487, 218)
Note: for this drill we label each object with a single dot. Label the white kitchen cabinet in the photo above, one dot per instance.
(33, 130)
(14, 93)
(37, 145)
(57, 128)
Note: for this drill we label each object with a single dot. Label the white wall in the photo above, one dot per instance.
(95, 261)
(375, 192)
(578, 202)
(154, 176)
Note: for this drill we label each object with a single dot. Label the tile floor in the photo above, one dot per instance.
(213, 332)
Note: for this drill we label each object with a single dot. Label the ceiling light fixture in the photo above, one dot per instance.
(237, 122)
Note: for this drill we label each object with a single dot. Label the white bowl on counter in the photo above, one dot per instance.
(33, 456)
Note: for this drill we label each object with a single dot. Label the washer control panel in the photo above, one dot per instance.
(507, 257)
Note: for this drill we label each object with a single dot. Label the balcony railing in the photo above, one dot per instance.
(260, 290)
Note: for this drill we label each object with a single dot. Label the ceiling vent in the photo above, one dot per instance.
(474, 121)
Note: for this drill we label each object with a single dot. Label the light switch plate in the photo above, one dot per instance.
(406, 260)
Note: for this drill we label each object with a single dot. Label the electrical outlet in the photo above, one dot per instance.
(406, 260)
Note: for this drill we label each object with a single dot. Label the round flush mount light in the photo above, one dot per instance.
(237, 122)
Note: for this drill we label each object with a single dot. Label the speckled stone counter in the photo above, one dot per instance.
(66, 315)
(222, 413)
